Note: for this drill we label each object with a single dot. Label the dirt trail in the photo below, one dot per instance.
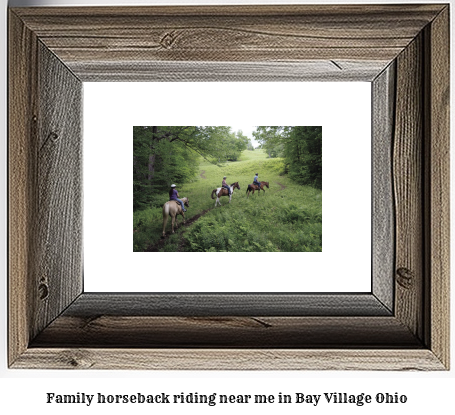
(202, 174)
(158, 245)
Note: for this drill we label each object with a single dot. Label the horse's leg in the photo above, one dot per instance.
(173, 222)
(164, 224)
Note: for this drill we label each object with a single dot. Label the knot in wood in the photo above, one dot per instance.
(53, 136)
(43, 290)
(76, 359)
(168, 39)
(405, 278)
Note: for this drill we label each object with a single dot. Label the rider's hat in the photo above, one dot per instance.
(224, 177)
(173, 185)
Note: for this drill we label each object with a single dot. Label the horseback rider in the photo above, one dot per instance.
(256, 181)
(225, 185)
(174, 194)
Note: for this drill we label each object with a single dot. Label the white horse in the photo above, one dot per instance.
(173, 208)
(222, 191)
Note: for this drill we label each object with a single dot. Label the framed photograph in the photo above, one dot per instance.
(242, 233)
(401, 323)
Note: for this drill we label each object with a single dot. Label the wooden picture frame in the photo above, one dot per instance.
(403, 324)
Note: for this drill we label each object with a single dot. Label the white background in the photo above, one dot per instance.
(24, 391)
(344, 111)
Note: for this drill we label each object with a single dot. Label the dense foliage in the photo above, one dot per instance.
(289, 220)
(287, 217)
(166, 155)
(301, 148)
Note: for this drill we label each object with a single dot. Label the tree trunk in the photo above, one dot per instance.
(151, 166)
(137, 169)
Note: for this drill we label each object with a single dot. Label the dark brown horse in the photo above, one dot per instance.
(253, 187)
(222, 191)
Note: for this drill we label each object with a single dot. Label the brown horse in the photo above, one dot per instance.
(173, 208)
(222, 191)
(253, 187)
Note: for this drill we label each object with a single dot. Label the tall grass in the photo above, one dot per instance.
(288, 219)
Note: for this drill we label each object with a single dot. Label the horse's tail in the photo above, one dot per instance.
(213, 191)
(247, 190)
(165, 216)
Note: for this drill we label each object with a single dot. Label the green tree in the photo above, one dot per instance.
(301, 147)
(272, 139)
(303, 151)
(235, 144)
(163, 155)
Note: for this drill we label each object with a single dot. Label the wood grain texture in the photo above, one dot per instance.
(89, 305)
(229, 359)
(44, 187)
(58, 207)
(22, 94)
(60, 47)
(228, 34)
(438, 198)
(408, 188)
(383, 215)
(226, 332)
(308, 71)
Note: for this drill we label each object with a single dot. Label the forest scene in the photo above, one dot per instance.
(283, 215)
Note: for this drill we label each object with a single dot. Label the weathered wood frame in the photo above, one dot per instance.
(403, 50)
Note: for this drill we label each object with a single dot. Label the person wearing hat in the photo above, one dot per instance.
(173, 195)
(225, 185)
(256, 181)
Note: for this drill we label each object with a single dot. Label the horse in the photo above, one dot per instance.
(253, 187)
(173, 208)
(222, 191)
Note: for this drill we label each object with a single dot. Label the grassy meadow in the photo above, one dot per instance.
(286, 218)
